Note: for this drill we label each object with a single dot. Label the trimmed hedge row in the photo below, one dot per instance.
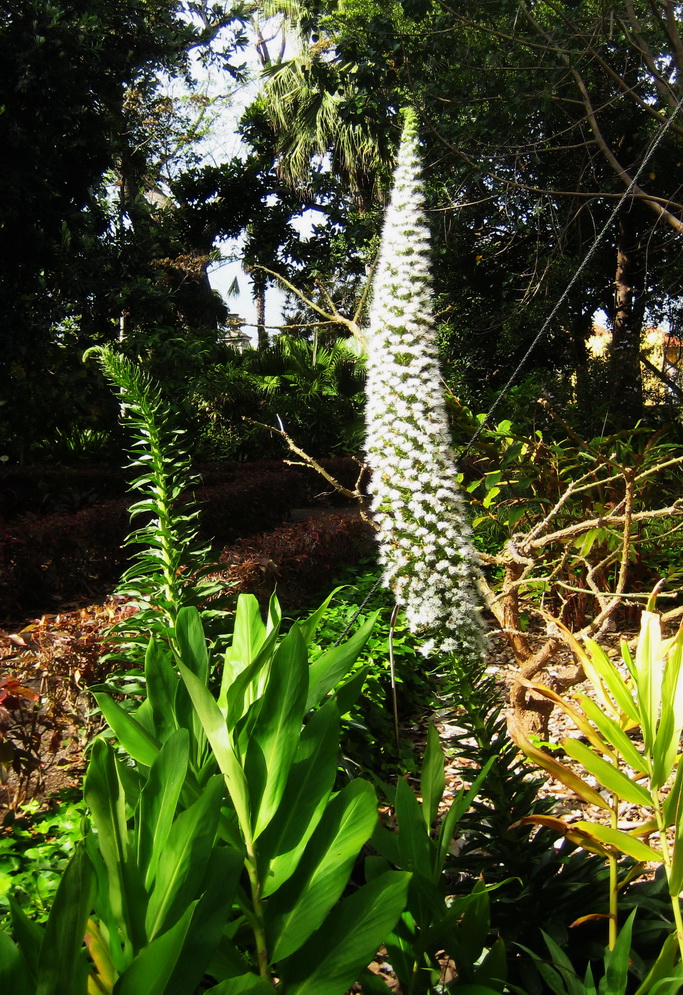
(67, 555)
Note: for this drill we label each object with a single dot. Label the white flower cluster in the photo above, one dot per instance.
(426, 551)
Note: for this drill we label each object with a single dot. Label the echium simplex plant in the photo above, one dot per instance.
(424, 538)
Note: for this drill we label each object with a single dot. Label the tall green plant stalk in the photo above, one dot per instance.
(169, 561)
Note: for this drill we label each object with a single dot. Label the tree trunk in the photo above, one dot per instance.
(260, 296)
(626, 385)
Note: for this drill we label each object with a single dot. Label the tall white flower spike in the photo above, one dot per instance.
(426, 549)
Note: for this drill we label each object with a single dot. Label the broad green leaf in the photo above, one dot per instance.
(246, 984)
(348, 939)
(433, 777)
(61, 965)
(104, 797)
(307, 627)
(607, 775)
(132, 736)
(189, 633)
(151, 970)
(158, 803)
(414, 845)
(217, 733)
(275, 738)
(613, 734)
(608, 682)
(649, 668)
(334, 664)
(249, 684)
(300, 905)
(29, 936)
(15, 977)
(628, 844)
(184, 860)
(209, 919)
(308, 789)
(248, 634)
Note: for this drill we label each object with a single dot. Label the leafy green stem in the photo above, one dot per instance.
(257, 916)
(667, 860)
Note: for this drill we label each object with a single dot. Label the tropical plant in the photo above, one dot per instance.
(208, 787)
(315, 391)
(437, 932)
(645, 693)
(168, 562)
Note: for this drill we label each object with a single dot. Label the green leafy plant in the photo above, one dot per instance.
(220, 849)
(35, 847)
(438, 932)
(168, 561)
(647, 696)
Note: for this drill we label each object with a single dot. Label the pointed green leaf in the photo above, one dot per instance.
(29, 936)
(62, 966)
(15, 976)
(433, 777)
(189, 633)
(347, 941)
(246, 984)
(649, 666)
(104, 797)
(333, 665)
(607, 672)
(307, 627)
(414, 845)
(217, 733)
(162, 682)
(628, 844)
(309, 786)
(275, 737)
(613, 734)
(132, 736)
(618, 960)
(299, 906)
(184, 859)
(149, 973)
(607, 775)
(158, 803)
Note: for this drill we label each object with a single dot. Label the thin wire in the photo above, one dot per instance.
(589, 255)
